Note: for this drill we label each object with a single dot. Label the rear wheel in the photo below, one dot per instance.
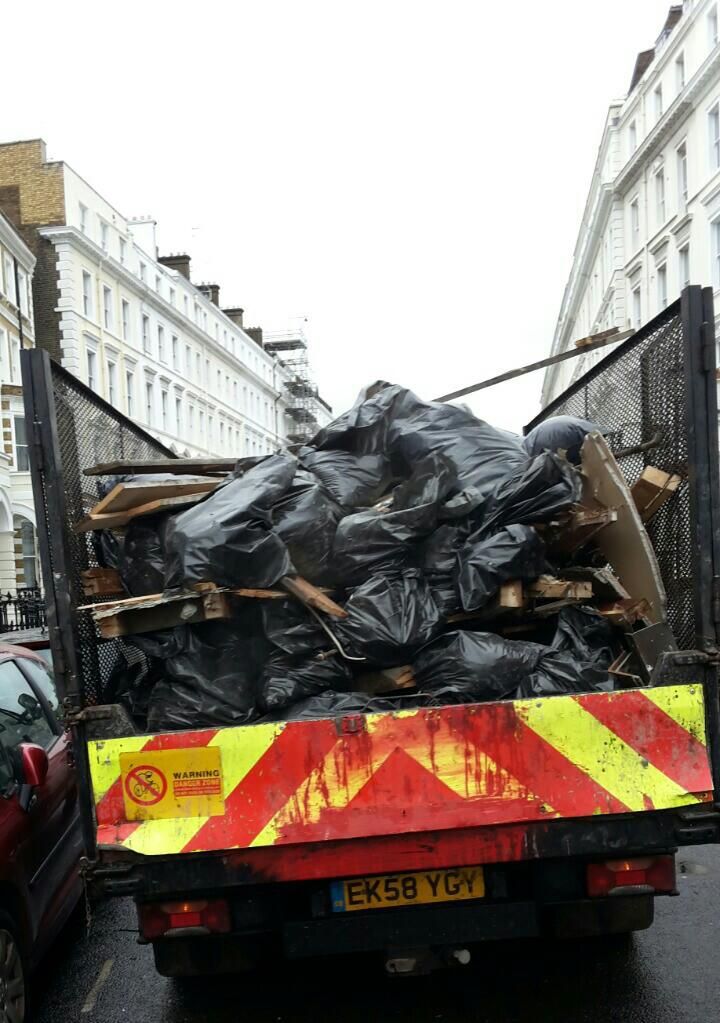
(12, 974)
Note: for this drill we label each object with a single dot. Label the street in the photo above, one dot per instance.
(664, 975)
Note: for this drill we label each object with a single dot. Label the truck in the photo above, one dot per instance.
(419, 833)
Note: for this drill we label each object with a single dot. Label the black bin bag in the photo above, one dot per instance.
(475, 666)
(306, 520)
(391, 420)
(577, 659)
(210, 678)
(287, 680)
(352, 481)
(227, 539)
(536, 492)
(291, 629)
(390, 616)
(436, 557)
(483, 565)
(371, 541)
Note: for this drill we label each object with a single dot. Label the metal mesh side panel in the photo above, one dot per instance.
(91, 432)
(638, 392)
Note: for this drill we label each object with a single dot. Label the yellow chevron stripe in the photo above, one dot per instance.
(104, 758)
(684, 704)
(602, 755)
(171, 835)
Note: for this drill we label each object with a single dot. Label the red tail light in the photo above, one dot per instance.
(649, 874)
(207, 916)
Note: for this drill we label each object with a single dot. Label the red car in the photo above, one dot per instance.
(40, 838)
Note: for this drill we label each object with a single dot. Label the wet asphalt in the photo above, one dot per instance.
(668, 974)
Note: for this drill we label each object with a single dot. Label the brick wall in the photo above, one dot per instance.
(32, 195)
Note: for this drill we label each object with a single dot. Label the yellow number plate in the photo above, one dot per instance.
(408, 889)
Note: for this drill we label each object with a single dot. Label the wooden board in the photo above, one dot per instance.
(308, 594)
(653, 490)
(135, 494)
(100, 582)
(146, 614)
(117, 519)
(549, 588)
(624, 543)
(178, 466)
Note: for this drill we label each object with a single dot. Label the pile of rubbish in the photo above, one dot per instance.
(411, 555)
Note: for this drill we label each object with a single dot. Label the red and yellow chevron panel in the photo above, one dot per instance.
(414, 771)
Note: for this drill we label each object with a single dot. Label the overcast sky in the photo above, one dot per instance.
(408, 175)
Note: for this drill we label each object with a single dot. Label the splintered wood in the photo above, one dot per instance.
(128, 501)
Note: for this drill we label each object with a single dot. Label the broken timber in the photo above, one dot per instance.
(178, 466)
(147, 614)
(135, 493)
(653, 489)
(117, 519)
(101, 582)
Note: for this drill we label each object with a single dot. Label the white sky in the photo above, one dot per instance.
(409, 175)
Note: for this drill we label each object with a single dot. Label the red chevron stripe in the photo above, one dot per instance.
(111, 808)
(269, 784)
(656, 736)
(534, 762)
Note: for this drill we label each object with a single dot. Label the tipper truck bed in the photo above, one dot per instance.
(419, 832)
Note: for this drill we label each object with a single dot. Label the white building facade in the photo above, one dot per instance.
(19, 566)
(651, 223)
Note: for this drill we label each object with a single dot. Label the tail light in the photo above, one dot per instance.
(650, 875)
(166, 919)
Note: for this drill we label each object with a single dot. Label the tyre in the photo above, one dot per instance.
(12, 973)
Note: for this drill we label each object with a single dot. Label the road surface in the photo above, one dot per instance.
(665, 975)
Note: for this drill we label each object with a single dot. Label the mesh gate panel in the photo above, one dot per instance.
(638, 393)
(90, 432)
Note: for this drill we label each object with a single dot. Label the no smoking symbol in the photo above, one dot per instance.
(145, 785)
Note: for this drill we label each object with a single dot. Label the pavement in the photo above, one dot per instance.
(667, 974)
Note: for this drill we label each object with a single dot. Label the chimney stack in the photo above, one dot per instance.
(211, 291)
(256, 334)
(236, 315)
(177, 261)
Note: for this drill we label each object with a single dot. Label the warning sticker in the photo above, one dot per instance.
(172, 783)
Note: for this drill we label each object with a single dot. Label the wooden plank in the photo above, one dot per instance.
(654, 488)
(624, 543)
(178, 466)
(626, 612)
(187, 610)
(385, 680)
(313, 597)
(117, 519)
(510, 595)
(99, 582)
(549, 588)
(605, 583)
(135, 494)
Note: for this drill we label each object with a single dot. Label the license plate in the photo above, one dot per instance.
(425, 886)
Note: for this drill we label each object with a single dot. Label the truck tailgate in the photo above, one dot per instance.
(407, 772)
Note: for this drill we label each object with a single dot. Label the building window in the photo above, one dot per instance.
(207, 372)
(178, 415)
(637, 308)
(680, 73)
(658, 100)
(28, 548)
(130, 391)
(201, 422)
(188, 360)
(712, 26)
(172, 296)
(682, 174)
(107, 307)
(148, 401)
(123, 250)
(210, 430)
(632, 137)
(662, 286)
(14, 360)
(143, 272)
(92, 370)
(222, 435)
(23, 289)
(197, 314)
(125, 315)
(219, 383)
(22, 461)
(191, 418)
(111, 382)
(87, 293)
(198, 364)
(103, 236)
(660, 196)
(217, 331)
(161, 343)
(146, 333)
(715, 234)
(684, 266)
(635, 221)
(174, 349)
(714, 136)
(9, 272)
(164, 408)
(83, 217)
(235, 393)
(185, 304)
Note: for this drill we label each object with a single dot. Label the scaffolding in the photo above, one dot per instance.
(302, 401)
